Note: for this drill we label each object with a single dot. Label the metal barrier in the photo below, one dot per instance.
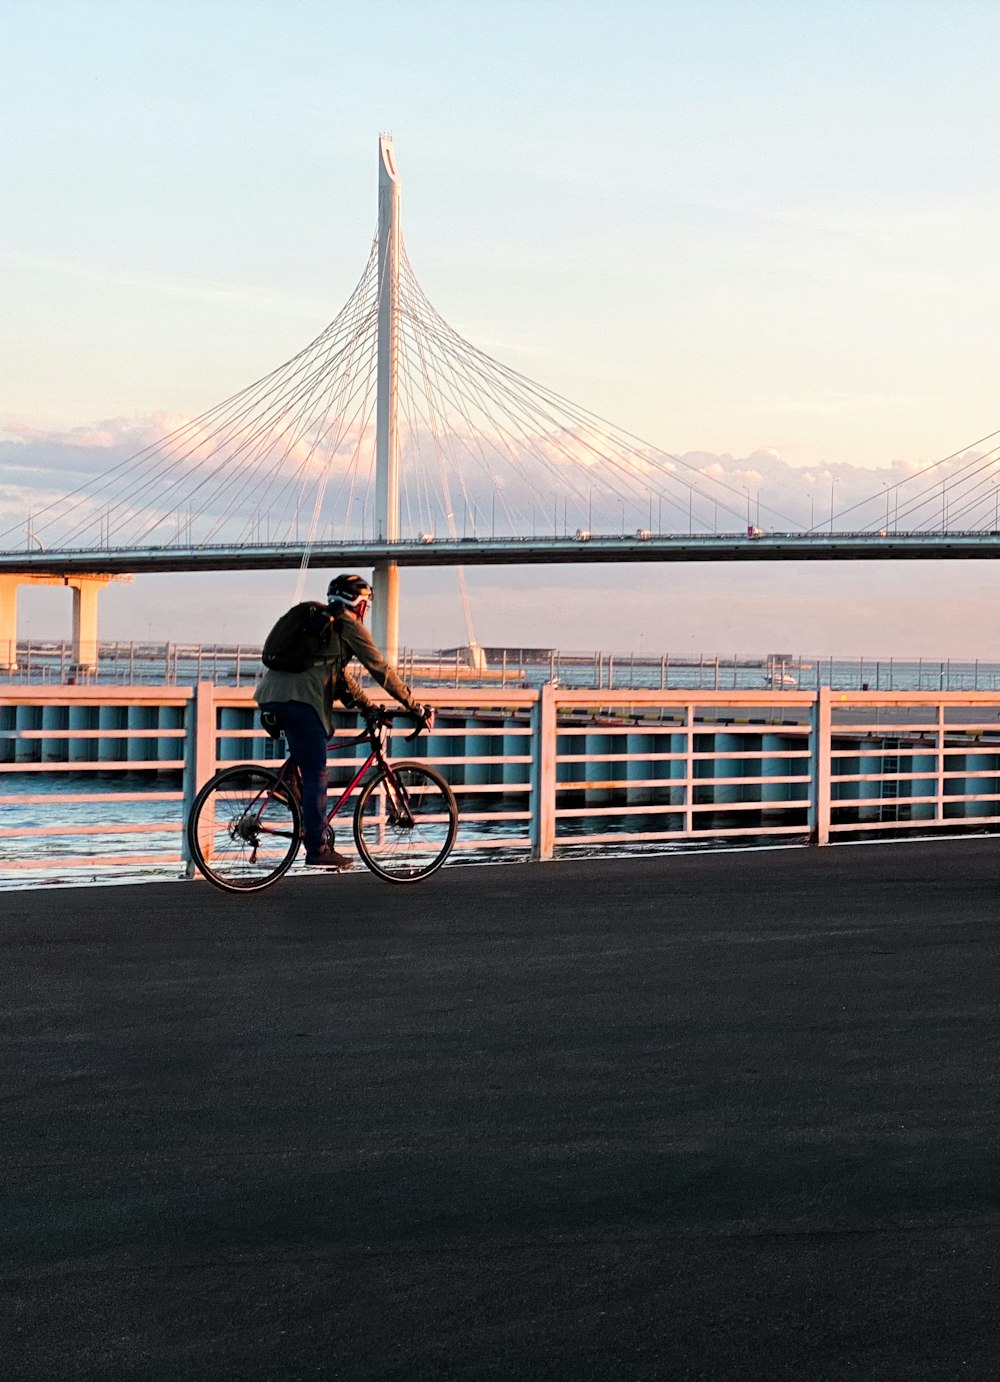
(624, 769)
(100, 778)
(33, 662)
(903, 763)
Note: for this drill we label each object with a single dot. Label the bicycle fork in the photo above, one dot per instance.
(397, 803)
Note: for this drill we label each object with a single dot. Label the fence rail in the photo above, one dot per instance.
(52, 662)
(100, 777)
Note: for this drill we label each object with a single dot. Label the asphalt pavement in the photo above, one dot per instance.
(708, 1116)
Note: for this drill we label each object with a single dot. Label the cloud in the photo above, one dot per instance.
(167, 478)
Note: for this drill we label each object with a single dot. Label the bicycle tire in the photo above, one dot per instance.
(234, 818)
(398, 851)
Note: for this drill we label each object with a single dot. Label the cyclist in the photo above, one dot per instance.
(302, 703)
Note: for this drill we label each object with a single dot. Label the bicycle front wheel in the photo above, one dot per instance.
(405, 822)
(244, 830)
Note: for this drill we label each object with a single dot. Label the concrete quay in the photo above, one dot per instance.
(711, 1117)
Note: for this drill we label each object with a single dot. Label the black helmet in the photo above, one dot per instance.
(351, 591)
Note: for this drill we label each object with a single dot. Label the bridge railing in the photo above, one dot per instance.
(50, 662)
(96, 781)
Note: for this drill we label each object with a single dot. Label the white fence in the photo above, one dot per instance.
(98, 778)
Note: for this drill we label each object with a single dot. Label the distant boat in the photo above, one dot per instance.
(777, 676)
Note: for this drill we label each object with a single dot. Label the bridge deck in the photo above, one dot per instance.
(509, 551)
(717, 1117)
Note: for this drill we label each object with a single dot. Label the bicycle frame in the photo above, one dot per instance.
(374, 736)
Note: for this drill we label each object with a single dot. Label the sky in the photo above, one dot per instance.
(766, 232)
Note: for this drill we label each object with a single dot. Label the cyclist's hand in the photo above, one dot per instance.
(424, 716)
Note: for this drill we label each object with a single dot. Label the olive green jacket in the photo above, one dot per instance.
(328, 678)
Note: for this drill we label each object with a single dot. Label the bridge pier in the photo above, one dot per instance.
(8, 621)
(85, 591)
(385, 608)
(86, 587)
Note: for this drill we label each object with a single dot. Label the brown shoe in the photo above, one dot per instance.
(328, 858)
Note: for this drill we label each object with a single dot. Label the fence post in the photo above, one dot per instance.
(821, 743)
(543, 774)
(199, 754)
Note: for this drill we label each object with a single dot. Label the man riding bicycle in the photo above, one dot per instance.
(302, 703)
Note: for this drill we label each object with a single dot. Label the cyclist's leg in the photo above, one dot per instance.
(307, 745)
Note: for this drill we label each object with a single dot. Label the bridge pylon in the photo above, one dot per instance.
(385, 614)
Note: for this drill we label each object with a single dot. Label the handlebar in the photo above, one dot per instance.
(381, 715)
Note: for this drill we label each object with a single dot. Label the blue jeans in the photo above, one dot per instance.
(307, 745)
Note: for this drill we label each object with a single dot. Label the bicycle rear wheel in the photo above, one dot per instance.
(405, 822)
(244, 830)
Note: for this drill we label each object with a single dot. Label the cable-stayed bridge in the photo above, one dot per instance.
(390, 440)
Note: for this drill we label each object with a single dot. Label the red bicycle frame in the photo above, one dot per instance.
(369, 735)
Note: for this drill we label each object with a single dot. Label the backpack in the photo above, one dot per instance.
(294, 642)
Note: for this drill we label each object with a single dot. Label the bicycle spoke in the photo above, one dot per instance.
(405, 822)
(242, 834)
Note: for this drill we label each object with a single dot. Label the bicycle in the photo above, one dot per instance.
(245, 826)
